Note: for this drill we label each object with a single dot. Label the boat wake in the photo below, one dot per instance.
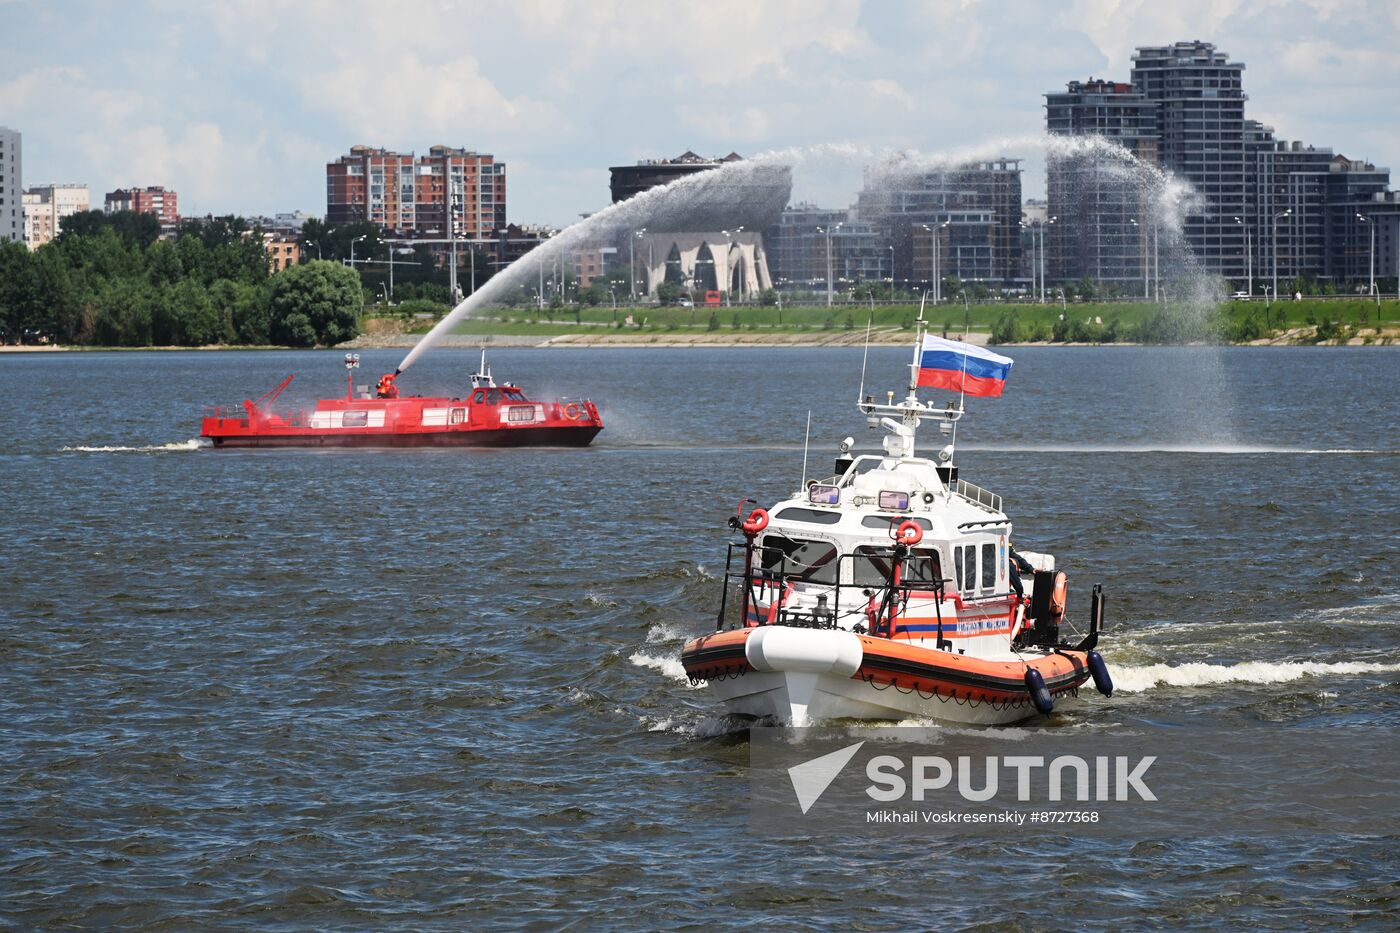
(1129, 679)
(195, 443)
(1218, 449)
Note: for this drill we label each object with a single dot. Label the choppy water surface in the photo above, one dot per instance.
(438, 689)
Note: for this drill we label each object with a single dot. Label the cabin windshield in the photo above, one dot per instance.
(514, 395)
(870, 566)
(487, 396)
(808, 561)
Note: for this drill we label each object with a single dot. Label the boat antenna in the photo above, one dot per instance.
(805, 443)
(864, 357)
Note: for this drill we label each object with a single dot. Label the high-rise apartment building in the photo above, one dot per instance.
(45, 206)
(1287, 213)
(1097, 197)
(808, 243)
(163, 202)
(409, 195)
(11, 186)
(963, 222)
(797, 245)
(1361, 211)
(1200, 99)
(1267, 209)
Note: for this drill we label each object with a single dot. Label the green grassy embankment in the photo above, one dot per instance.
(1235, 321)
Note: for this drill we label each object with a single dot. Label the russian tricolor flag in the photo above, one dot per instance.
(961, 367)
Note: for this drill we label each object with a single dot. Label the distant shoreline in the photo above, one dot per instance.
(1389, 337)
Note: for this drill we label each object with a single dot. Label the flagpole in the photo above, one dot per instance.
(962, 394)
(860, 397)
(918, 349)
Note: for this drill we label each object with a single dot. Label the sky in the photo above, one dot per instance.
(239, 104)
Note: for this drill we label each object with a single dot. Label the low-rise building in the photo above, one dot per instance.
(45, 207)
(283, 250)
(160, 201)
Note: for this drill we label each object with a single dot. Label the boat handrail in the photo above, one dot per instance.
(827, 613)
(226, 412)
(979, 496)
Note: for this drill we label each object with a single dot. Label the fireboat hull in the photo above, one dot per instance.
(801, 676)
(580, 436)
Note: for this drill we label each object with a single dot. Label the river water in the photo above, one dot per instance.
(439, 689)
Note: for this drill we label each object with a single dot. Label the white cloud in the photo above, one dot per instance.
(239, 104)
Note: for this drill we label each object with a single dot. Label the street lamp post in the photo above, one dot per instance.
(891, 272)
(1042, 226)
(728, 273)
(829, 285)
(1274, 247)
(728, 258)
(1367, 221)
(1248, 256)
(1157, 258)
(1030, 226)
(632, 267)
(452, 242)
(933, 235)
(1142, 251)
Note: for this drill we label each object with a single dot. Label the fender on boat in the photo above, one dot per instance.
(1099, 671)
(811, 651)
(1040, 696)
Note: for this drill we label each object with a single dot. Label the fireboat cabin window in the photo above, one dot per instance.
(808, 561)
(871, 566)
(989, 566)
(811, 516)
(487, 396)
(459, 415)
(354, 419)
(965, 568)
(891, 522)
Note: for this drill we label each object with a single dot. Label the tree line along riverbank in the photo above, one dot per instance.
(110, 280)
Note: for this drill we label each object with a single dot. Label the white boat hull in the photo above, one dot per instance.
(803, 699)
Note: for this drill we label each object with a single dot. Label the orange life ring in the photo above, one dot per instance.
(756, 522)
(909, 533)
(1059, 594)
(571, 411)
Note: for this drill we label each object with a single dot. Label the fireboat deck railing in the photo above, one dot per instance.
(828, 611)
(226, 412)
(979, 496)
(291, 419)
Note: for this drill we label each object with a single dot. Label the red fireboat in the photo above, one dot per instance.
(490, 415)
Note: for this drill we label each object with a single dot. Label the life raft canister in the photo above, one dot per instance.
(1048, 594)
(1059, 594)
